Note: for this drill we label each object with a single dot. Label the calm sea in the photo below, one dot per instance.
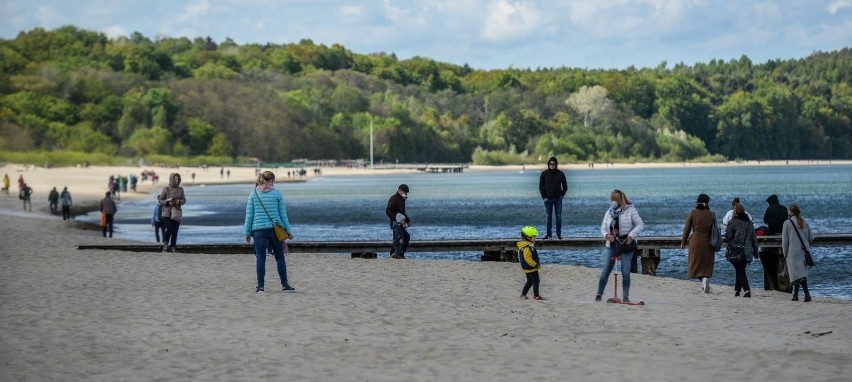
(497, 204)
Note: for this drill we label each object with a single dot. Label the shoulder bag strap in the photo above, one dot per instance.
(264, 207)
(802, 242)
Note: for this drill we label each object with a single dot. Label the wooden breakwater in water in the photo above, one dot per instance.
(491, 248)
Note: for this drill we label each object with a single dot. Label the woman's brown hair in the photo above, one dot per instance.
(739, 210)
(264, 177)
(794, 210)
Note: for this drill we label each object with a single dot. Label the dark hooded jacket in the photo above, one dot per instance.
(552, 183)
(774, 216)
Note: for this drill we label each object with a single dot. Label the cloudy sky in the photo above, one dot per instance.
(486, 34)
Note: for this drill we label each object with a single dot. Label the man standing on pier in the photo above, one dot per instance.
(552, 185)
(398, 222)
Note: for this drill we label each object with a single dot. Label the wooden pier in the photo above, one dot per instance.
(426, 167)
(493, 249)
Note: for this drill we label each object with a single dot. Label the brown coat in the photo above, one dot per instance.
(702, 258)
(172, 208)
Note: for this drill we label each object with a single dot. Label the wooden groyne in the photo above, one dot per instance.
(493, 249)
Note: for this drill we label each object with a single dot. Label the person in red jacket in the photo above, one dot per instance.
(399, 221)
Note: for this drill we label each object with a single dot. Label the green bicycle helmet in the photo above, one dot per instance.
(529, 231)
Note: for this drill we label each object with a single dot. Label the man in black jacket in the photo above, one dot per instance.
(398, 222)
(552, 185)
(775, 275)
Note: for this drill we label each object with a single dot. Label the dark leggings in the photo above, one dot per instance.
(532, 281)
(804, 283)
(742, 279)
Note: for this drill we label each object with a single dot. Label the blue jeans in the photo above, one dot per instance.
(401, 238)
(265, 238)
(609, 263)
(549, 206)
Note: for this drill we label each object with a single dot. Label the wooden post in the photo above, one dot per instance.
(364, 255)
(498, 255)
(650, 261)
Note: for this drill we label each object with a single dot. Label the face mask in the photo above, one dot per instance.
(613, 205)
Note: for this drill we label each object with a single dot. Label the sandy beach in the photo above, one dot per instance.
(95, 315)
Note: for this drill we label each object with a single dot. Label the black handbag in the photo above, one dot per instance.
(736, 255)
(622, 246)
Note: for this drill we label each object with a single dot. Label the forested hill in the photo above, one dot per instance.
(76, 90)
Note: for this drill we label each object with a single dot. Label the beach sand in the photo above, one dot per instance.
(96, 315)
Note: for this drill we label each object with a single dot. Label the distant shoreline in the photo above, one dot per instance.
(88, 184)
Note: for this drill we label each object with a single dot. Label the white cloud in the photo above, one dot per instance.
(350, 12)
(47, 16)
(508, 21)
(838, 5)
(197, 10)
(115, 31)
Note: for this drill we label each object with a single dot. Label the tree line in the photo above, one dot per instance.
(76, 90)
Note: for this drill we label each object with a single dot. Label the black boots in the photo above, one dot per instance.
(804, 284)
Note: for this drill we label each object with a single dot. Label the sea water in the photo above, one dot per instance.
(482, 205)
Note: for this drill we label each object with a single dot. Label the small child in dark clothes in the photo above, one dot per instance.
(528, 258)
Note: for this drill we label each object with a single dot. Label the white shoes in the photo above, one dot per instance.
(705, 284)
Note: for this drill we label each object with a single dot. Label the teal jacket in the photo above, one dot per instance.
(256, 217)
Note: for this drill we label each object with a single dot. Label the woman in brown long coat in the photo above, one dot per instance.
(701, 255)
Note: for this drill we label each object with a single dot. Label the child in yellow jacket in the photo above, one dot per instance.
(528, 258)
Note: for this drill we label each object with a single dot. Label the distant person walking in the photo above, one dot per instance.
(775, 275)
(108, 210)
(552, 186)
(530, 264)
(702, 257)
(66, 202)
(399, 221)
(6, 183)
(25, 195)
(741, 240)
(796, 238)
(53, 199)
(172, 198)
(264, 209)
(21, 182)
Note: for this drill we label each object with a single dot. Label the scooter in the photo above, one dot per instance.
(615, 299)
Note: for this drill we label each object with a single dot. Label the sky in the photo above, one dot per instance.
(485, 34)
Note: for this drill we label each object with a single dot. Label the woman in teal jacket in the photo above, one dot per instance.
(265, 208)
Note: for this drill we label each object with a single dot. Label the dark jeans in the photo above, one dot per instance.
(108, 226)
(171, 230)
(401, 238)
(263, 239)
(741, 282)
(551, 205)
(66, 212)
(53, 208)
(532, 281)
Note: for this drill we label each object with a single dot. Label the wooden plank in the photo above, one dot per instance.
(650, 242)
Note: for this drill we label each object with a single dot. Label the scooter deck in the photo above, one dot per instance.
(618, 301)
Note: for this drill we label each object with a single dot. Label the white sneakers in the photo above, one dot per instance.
(705, 284)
